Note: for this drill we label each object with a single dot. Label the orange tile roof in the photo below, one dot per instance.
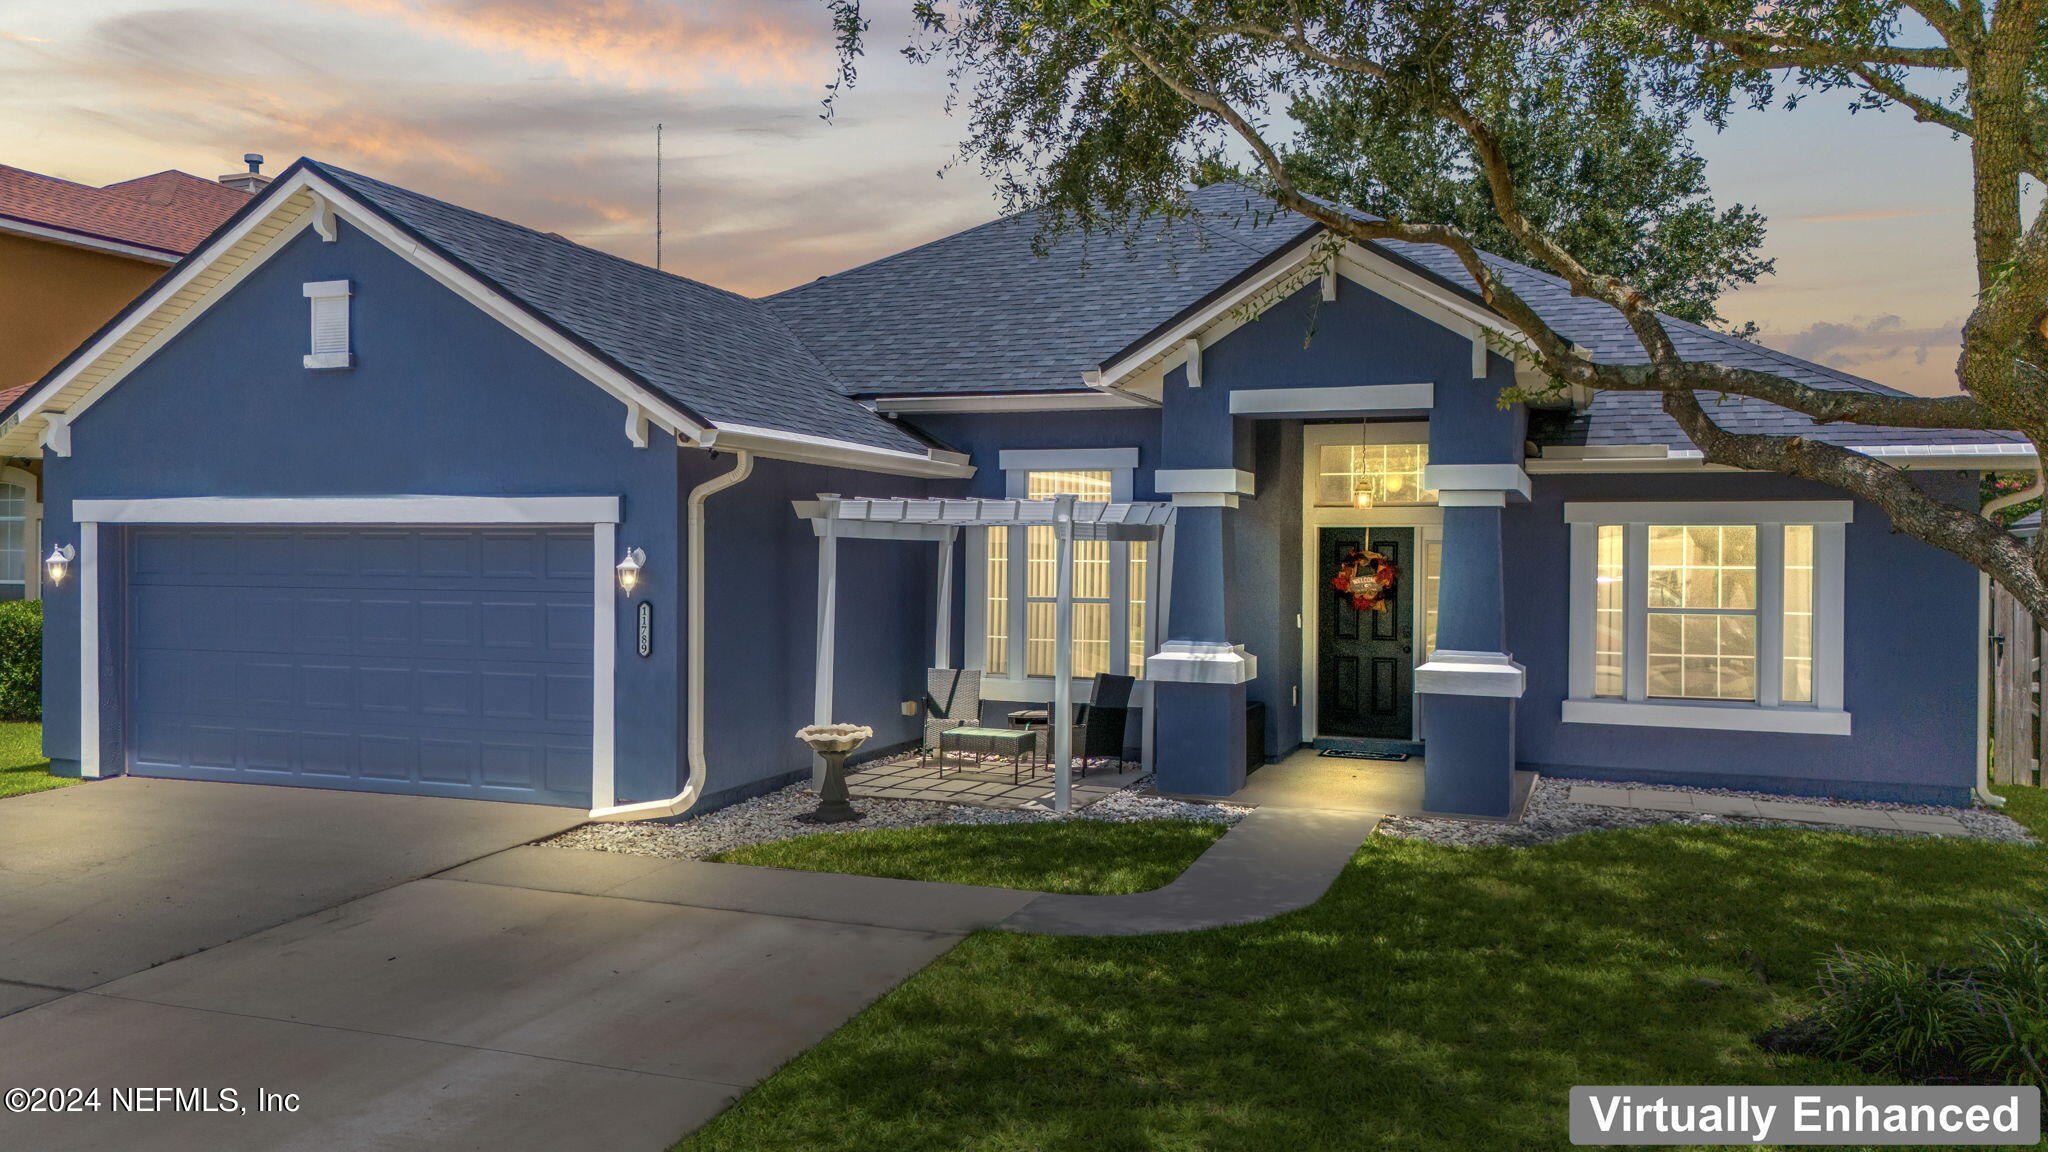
(168, 212)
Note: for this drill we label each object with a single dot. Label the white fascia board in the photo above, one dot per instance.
(1709, 512)
(1170, 341)
(1508, 478)
(1646, 458)
(804, 449)
(1342, 398)
(351, 510)
(91, 243)
(1066, 459)
(658, 408)
(1715, 717)
(342, 205)
(1180, 481)
(1010, 402)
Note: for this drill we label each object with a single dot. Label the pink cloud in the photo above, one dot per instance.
(636, 43)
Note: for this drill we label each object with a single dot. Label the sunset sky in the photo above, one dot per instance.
(543, 111)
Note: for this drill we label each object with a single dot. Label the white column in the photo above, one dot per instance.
(604, 669)
(828, 614)
(1063, 657)
(88, 650)
(942, 624)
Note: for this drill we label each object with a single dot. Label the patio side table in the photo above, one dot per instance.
(1018, 744)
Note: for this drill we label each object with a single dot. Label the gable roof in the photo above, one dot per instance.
(166, 214)
(980, 312)
(721, 358)
(724, 369)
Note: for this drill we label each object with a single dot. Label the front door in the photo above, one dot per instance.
(1365, 659)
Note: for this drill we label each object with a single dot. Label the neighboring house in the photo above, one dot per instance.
(71, 256)
(346, 491)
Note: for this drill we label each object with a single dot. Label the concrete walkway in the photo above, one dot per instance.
(1275, 860)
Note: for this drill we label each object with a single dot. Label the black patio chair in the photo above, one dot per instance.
(1098, 724)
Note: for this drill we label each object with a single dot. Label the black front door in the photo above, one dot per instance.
(1365, 660)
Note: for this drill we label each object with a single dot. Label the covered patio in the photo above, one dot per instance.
(939, 520)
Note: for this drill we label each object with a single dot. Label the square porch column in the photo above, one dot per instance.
(1470, 683)
(1198, 675)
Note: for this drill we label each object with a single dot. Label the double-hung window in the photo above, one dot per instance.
(1708, 615)
(1014, 584)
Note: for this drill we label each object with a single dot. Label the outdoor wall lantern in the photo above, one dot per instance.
(629, 570)
(58, 563)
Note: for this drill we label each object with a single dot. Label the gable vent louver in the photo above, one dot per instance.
(328, 301)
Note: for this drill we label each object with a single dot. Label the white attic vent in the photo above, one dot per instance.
(328, 302)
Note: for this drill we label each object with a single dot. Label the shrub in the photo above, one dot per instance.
(21, 660)
(1903, 1019)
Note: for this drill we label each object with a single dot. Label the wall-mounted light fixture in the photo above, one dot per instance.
(629, 570)
(58, 563)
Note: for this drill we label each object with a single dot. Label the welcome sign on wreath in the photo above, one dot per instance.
(1366, 579)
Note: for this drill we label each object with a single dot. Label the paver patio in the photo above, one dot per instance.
(988, 786)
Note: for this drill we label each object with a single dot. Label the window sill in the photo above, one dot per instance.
(1031, 689)
(1719, 717)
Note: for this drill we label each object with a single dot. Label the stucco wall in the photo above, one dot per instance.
(52, 296)
(1909, 653)
(1265, 585)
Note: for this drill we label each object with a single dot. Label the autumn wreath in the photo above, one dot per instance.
(1366, 579)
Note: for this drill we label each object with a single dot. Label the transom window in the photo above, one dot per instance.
(1021, 601)
(1707, 604)
(1385, 473)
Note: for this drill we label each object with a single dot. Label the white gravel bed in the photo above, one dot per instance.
(766, 819)
(1551, 816)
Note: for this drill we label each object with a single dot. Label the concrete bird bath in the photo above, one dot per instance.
(833, 742)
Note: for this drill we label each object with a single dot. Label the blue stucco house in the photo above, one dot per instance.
(342, 502)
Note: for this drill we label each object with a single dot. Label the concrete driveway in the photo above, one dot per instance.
(100, 880)
(540, 999)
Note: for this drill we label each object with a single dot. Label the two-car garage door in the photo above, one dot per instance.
(447, 661)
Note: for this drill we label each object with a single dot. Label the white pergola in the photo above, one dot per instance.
(939, 520)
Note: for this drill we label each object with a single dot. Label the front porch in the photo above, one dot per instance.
(1308, 779)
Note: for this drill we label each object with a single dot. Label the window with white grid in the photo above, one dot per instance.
(1702, 612)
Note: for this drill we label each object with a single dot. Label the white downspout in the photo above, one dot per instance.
(693, 789)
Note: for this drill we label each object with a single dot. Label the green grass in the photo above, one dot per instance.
(1068, 856)
(1437, 998)
(2027, 805)
(22, 766)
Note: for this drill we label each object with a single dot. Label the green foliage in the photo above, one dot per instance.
(1598, 166)
(21, 660)
(1893, 1015)
(1437, 998)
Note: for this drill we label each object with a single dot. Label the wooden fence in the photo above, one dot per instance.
(2017, 733)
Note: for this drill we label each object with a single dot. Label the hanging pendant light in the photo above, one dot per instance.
(1361, 484)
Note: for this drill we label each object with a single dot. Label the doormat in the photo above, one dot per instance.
(1349, 754)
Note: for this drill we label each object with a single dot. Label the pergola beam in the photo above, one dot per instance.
(939, 520)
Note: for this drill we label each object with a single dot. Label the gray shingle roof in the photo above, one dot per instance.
(980, 311)
(721, 357)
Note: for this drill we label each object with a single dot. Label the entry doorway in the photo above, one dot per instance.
(1365, 657)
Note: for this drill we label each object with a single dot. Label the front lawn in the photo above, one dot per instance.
(1437, 998)
(22, 766)
(1068, 856)
(2027, 805)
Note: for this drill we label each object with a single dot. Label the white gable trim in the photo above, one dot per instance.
(306, 200)
(1371, 271)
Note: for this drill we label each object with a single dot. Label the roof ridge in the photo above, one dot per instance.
(884, 259)
(548, 237)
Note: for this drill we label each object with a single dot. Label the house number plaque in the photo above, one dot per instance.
(646, 628)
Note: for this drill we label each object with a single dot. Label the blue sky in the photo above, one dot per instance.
(543, 111)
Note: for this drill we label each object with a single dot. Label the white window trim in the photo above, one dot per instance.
(31, 532)
(317, 292)
(1825, 715)
(601, 513)
(1010, 683)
